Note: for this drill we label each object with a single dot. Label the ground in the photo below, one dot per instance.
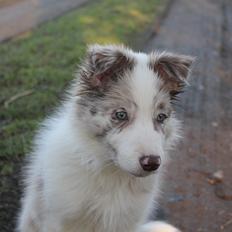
(195, 198)
(19, 16)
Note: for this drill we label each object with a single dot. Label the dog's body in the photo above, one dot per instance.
(92, 163)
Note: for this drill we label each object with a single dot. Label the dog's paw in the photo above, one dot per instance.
(159, 226)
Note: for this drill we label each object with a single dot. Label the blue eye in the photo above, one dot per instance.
(161, 117)
(121, 115)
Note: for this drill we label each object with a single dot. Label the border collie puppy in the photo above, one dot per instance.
(97, 163)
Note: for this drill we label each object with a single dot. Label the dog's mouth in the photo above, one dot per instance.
(142, 174)
(139, 174)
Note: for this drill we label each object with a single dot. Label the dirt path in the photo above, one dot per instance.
(202, 28)
(25, 14)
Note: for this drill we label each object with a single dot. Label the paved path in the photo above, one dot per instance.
(202, 28)
(26, 14)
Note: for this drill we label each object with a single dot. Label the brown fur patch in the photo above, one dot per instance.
(172, 69)
(161, 106)
(101, 67)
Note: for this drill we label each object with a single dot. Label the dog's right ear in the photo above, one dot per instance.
(104, 64)
(172, 69)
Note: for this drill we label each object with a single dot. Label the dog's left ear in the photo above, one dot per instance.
(104, 64)
(173, 69)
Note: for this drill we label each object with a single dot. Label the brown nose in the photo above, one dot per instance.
(150, 162)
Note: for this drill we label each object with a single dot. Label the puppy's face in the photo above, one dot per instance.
(124, 101)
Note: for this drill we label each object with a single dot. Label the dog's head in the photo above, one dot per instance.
(125, 102)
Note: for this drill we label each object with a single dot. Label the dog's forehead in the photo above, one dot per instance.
(145, 84)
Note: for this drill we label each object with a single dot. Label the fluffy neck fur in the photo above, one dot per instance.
(73, 158)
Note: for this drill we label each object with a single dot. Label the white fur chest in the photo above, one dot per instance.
(109, 202)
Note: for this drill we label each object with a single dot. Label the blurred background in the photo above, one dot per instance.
(41, 44)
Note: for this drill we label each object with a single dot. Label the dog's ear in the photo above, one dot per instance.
(173, 69)
(105, 63)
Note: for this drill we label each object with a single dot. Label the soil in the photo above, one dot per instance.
(23, 15)
(193, 199)
(4, 3)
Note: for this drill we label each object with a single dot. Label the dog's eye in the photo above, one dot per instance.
(121, 115)
(161, 117)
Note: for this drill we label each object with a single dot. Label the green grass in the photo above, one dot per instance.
(45, 59)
